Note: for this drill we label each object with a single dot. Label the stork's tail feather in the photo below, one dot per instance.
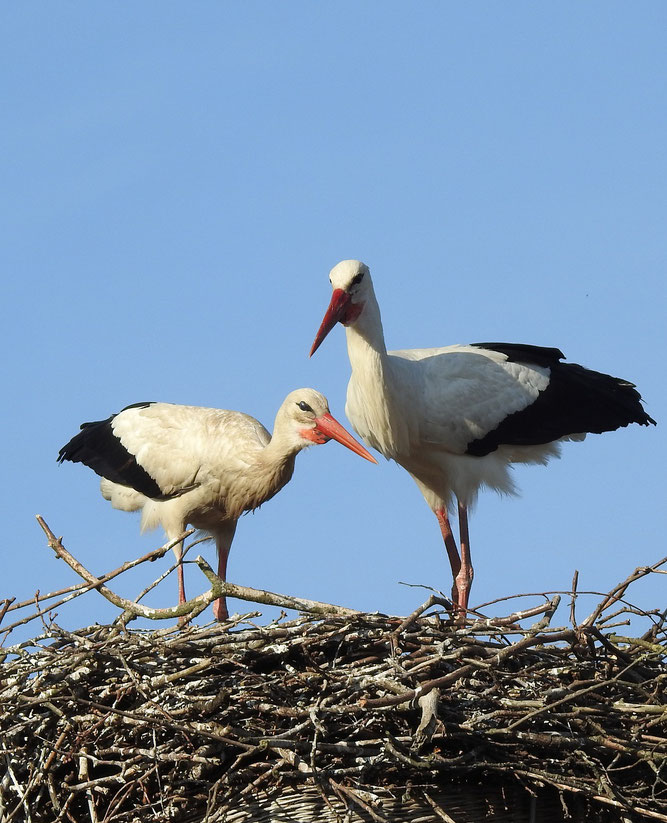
(122, 497)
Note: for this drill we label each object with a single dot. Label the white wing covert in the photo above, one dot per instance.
(465, 392)
(184, 446)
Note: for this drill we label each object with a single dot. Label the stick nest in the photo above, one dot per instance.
(358, 717)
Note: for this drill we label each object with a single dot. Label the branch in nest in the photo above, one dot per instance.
(618, 591)
(195, 605)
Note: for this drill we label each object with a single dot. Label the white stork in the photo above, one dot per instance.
(457, 418)
(187, 465)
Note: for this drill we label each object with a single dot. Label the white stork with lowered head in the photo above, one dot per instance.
(456, 418)
(187, 465)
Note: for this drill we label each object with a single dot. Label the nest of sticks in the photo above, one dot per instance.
(336, 715)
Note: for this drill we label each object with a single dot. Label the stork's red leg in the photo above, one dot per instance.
(452, 551)
(220, 605)
(463, 579)
(178, 551)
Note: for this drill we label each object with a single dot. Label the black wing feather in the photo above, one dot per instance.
(97, 447)
(576, 401)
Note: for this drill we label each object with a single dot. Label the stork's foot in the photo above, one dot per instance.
(461, 592)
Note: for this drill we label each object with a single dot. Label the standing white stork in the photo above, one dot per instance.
(456, 418)
(187, 465)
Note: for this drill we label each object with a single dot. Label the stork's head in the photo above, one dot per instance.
(351, 284)
(304, 418)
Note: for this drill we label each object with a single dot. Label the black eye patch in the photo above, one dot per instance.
(304, 406)
(357, 278)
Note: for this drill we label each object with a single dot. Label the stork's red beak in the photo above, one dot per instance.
(340, 300)
(328, 428)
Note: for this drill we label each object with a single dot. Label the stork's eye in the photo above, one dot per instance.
(304, 406)
(357, 278)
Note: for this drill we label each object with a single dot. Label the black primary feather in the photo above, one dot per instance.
(97, 447)
(576, 401)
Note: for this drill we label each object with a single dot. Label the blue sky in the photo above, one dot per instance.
(180, 177)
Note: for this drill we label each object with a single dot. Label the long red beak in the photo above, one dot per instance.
(328, 428)
(340, 300)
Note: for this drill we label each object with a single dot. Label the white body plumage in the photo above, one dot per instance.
(423, 407)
